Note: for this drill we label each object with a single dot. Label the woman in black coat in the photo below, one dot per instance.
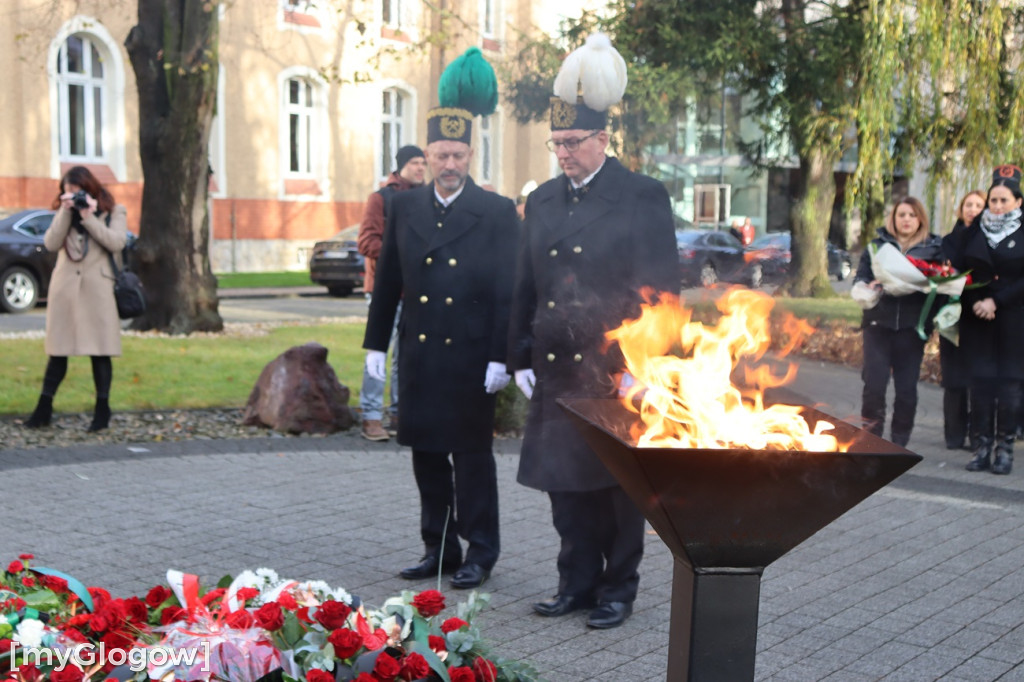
(955, 403)
(992, 321)
(892, 345)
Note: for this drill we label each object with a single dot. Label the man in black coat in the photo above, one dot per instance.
(592, 238)
(449, 251)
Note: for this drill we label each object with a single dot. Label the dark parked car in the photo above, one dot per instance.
(773, 251)
(337, 264)
(25, 264)
(707, 257)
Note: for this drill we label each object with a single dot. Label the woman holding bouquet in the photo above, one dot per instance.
(892, 346)
(955, 403)
(992, 321)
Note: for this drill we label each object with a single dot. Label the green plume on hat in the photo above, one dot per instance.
(469, 83)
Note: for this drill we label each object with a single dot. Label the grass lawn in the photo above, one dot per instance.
(254, 280)
(181, 372)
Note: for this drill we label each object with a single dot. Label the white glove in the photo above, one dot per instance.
(526, 380)
(375, 364)
(497, 377)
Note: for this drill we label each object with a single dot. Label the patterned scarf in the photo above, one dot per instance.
(999, 227)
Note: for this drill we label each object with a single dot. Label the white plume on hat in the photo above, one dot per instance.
(596, 70)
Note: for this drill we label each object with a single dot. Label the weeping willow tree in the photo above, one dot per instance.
(895, 79)
(941, 86)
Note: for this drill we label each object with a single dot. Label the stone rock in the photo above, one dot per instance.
(298, 392)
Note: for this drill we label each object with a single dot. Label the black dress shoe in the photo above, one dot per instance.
(559, 605)
(610, 615)
(427, 568)
(470, 575)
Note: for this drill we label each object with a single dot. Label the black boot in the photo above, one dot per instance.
(42, 414)
(982, 459)
(1003, 462)
(101, 415)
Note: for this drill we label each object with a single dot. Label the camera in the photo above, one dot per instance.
(80, 199)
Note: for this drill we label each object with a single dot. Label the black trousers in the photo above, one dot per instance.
(897, 354)
(995, 407)
(602, 535)
(955, 416)
(463, 490)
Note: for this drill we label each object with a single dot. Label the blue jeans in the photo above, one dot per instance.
(371, 395)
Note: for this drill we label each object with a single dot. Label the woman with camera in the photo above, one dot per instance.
(81, 314)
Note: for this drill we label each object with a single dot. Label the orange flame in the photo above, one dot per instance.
(683, 370)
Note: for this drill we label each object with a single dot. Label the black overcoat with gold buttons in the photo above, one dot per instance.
(456, 283)
(992, 348)
(580, 268)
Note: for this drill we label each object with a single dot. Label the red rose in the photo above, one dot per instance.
(28, 581)
(452, 624)
(365, 677)
(212, 595)
(303, 615)
(69, 673)
(78, 620)
(414, 667)
(484, 670)
(333, 614)
(270, 616)
(247, 593)
(286, 600)
(461, 674)
(72, 634)
(315, 675)
(429, 603)
(135, 610)
(346, 643)
(240, 619)
(172, 614)
(386, 668)
(99, 597)
(15, 567)
(437, 643)
(26, 557)
(54, 583)
(99, 622)
(157, 596)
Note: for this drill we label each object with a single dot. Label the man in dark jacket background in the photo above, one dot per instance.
(592, 238)
(449, 247)
(411, 169)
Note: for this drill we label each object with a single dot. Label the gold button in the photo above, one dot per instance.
(551, 357)
(553, 252)
(452, 262)
(578, 357)
(551, 304)
(423, 299)
(447, 342)
(577, 249)
(448, 301)
(429, 260)
(575, 200)
(423, 337)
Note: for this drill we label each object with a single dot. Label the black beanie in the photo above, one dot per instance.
(407, 154)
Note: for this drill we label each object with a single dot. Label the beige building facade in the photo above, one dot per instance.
(314, 99)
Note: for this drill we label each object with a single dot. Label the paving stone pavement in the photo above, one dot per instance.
(921, 581)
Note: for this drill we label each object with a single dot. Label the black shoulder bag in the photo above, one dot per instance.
(128, 291)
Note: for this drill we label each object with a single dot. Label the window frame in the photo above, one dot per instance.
(384, 160)
(317, 133)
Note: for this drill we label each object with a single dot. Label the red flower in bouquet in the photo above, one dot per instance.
(54, 583)
(240, 619)
(270, 616)
(437, 644)
(15, 567)
(244, 594)
(333, 614)
(28, 581)
(99, 597)
(69, 673)
(319, 676)
(172, 614)
(286, 600)
(453, 624)
(212, 596)
(414, 667)
(461, 674)
(157, 596)
(386, 668)
(484, 670)
(26, 557)
(346, 643)
(931, 269)
(429, 603)
(136, 611)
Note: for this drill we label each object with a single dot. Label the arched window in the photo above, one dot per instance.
(304, 136)
(82, 99)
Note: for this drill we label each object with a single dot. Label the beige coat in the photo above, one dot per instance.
(81, 315)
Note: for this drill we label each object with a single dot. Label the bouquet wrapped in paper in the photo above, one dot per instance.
(901, 275)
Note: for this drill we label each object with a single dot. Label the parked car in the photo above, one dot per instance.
(774, 252)
(25, 264)
(337, 264)
(707, 257)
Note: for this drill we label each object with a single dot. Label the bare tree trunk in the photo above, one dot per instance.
(811, 215)
(173, 50)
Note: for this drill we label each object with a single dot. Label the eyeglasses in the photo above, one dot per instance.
(571, 145)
